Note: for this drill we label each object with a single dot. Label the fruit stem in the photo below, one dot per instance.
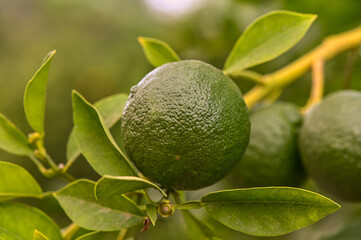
(317, 85)
(330, 47)
(69, 231)
(122, 234)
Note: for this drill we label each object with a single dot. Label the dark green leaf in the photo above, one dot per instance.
(266, 38)
(198, 230)
(35, 94)
(109, 185)
(18, 221)
(268, 211)
(113, 213)
(16, 182)
(157, 52)
(152, 213)
(95, 141)
(39, 236)
(99, 236)
(111, 110)
(12, 139)
(189, 205)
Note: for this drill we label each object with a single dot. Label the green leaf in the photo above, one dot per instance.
(110, 185)
(269, 211)
(39, 236)
(157, 52)
(99, 236)
(111, 109)
(16, 182)
(113, 213)
(35, 94)
(95, 141)
(266, 38)
(12, 139)
(18, 221)
(189, 205)
(152, 213)
(197, 229)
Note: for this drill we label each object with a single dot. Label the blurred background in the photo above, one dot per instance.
(98, 55)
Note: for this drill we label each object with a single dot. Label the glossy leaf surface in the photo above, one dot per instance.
(95, 141)
(113, 213)
(35, 95)
(157, 52)
(266, 38)
(268, 211)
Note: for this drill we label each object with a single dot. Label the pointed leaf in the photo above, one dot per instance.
(99, 236)
(113, 213)
(152, 213)
(197, 229)
(95, 141)
(268, 211)
(266, 38)
(16, 182)
(110, 185)
(157, 52)
(18, 221)
(12, 139)
(111, 110)
(35, 94)
(39, 236)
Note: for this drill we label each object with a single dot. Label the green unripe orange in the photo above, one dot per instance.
(330, 144)
(185, 125)
(271, 158)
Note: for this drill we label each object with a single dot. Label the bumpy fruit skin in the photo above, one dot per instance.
(272, 158)
(330, 144)
(185, 125)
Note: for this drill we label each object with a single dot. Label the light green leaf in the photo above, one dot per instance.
(16, 182)
(269, 211)
(12, 139)
(266, 38)
(18, 221)
(95, 141)
(189, 205)
(35, 94)
(39, 236)
(157, 52)
(99, 236)
(110, 185)
(113, 213)
(152, 213)
(111, 110)
(198, 230)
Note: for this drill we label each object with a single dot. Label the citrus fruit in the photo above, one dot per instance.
(271, 158)
(185, 125)
(330, 144)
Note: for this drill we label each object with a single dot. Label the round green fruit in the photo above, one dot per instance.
(185, 125)
(330, 144)
(271, 158)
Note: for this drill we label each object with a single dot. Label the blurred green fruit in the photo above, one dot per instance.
(185, 125)
(330, 144)
(271, 158)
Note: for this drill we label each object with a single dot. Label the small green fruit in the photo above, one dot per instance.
(271, 158)
(330, 144)
(185, 125)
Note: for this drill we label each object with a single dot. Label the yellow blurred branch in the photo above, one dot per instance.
(330, 47)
